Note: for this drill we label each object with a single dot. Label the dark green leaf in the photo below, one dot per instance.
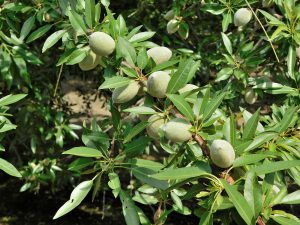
(180, 77)
(83, 152)
(135, 131)
(239, 203)
(182, 105)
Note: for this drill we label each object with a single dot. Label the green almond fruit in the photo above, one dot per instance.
(160, 54)
(172, 26)
(222, 153)
(101, 43)
(177, 130)
(90, 61)
(157, 84)
(242, 17)
(125, 93)
(250, 96)
(155, 122)
(169, 15)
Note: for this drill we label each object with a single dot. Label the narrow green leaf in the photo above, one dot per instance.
(10, 99)
(97, 13)
(292, 198)
(140, 110)
(9, 168)
(213, 105)
(84, 152)
(142, 59)
(180, 77)
(115, 82)
(76, 56)
(285, 221)
(38, 33)
(77, 22)
(250, 159)
(164, 65)
(129, 209)
(135, 131)
(143, 174)
(177, 200)
(253, 193)
(261, 139)
(89, 12)
(52, 39)
(155, 166)
(239, 203)
(287, 118)
(206, 218)
(182, 105)
(251, 126)
(227, 43)
(126, 50)
(27, 26)
(182, 173)
(142, 36)
(76, 197)
(272, 20)
(272, 167)
(291, 61)
(114, 183)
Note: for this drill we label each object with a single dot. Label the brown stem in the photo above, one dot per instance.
(260, 221)
(202, 143)
(113, 148)
(157, 213)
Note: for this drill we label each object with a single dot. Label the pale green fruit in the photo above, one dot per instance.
(90, 61)
(222, 153)
(172, 26)
(187, 88)
(101, 43)
(47, 17)
(155, 122)
(157, 84)
(125, 93)
(250, 96)
(298, 52)
(169, 15)
(177, 130)
(160, 54)
(242, 17)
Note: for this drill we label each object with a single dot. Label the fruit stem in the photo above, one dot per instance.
(269, 40)
(201, 142)
(58, 79)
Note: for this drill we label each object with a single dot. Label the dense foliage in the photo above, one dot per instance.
(203, 99)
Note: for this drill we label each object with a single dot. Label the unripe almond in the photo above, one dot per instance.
(90, 61)
(101, 43)
(125, 93)
(242, 17)
(155, 122)
(172, 26)
(157, 84)
(250, 96)
(169, 15)
(159, 54)
(298, 52)
(47, 17)
(222, 153)
(177, 130)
